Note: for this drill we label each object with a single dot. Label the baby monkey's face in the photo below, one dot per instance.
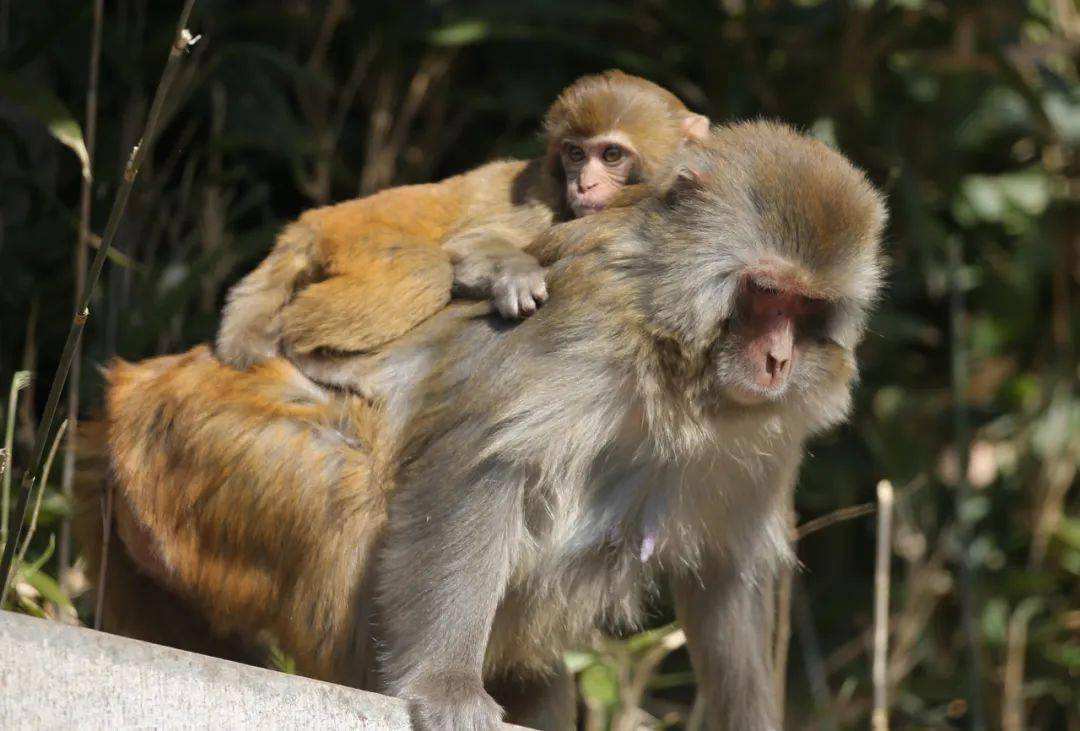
(596, 169)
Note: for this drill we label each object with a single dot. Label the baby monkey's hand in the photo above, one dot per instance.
(520, 288)
(512, 279)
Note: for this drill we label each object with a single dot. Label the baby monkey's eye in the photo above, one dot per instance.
(575, 153)
(613, 153)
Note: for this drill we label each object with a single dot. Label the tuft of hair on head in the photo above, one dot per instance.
(797, 198)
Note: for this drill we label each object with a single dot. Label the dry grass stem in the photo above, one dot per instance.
(19, 381)
(880, 720)
(837, 516)
(1012, 702)
(103, 564)
(37, 501)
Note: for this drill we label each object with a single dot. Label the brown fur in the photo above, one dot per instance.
(649, 115)
(218, 541)
(502, 524)
(356, 275)
(135, 607)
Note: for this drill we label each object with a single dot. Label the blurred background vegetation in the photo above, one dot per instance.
(966, 113)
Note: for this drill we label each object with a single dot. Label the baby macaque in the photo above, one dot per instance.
(352, 277)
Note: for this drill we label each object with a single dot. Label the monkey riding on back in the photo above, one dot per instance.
(352, 277)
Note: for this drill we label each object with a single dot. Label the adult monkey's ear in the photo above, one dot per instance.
(696, 127)
(686, 184)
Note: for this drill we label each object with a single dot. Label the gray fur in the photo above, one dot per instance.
(536, 460)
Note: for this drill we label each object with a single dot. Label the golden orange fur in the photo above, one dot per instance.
(353, 276)
(217, 538)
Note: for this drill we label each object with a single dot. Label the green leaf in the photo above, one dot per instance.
(672, 680)
(49, 588)
(1067, 655)
(1009, 198)
(649, 638)
(282, 661)
(41, 560)
(1068, 532)
(461, 34)
(57, 505)
(600, 685)
(577, 661)
(44, 106)
(995, 620)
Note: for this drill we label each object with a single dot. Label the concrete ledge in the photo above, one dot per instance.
(56, 676)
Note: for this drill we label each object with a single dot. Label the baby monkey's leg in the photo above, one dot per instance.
(376, 299)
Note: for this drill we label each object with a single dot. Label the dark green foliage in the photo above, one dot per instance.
(967, 114)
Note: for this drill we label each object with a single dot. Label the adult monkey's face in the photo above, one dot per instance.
(766, 280)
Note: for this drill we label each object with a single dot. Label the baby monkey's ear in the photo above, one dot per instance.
(696, 127)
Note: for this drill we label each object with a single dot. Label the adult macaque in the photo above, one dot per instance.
(474, 528)
(354, 276)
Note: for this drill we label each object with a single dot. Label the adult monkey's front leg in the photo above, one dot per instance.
(725, 614)
(439, 588)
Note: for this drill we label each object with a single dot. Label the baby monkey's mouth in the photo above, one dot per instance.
(585, 208)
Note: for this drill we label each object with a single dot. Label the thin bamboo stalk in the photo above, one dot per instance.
(42, 439)
(82, 244)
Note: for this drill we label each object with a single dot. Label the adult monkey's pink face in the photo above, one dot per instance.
(596, 169)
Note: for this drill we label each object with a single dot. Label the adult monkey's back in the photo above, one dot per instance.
(356, 275)
(691, 345)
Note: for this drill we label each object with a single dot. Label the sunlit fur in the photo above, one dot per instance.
(353, 276)
(492, 525)
(652, 119)
(548, 492)
(235, 490)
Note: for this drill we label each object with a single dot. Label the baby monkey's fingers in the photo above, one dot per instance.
(519, 294)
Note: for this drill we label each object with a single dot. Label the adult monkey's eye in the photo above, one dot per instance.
(575, 153)
(613, 153)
